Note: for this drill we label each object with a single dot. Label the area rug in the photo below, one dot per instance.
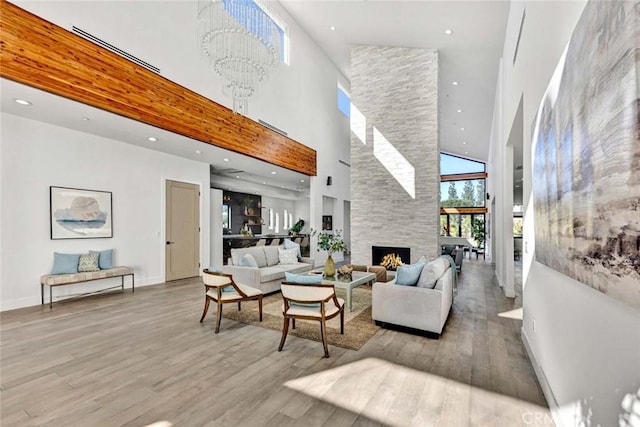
(359, 327)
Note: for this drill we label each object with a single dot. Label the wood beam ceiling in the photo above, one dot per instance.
(43, 55)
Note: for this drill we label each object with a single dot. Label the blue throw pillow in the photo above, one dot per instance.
(305, 279)
(288, 244)
(65, 263)
(247, 260)
(106, 259)
(408, 275)
(212, 269)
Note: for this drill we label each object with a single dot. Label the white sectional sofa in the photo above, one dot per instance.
(415, 307)
(269, 274)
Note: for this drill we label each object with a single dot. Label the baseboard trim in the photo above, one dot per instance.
(542, 379)
(17, 303)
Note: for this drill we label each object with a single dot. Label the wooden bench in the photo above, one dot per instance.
(52, 280)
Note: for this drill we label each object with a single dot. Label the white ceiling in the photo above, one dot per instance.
(469, 56)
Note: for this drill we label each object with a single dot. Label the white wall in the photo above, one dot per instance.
(36, 155)
(300, 98)
(216, 252)
(278, 206)
(583, 344)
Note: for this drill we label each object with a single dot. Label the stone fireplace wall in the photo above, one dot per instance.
(395, 162)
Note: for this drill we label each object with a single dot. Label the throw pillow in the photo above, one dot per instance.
(105, 261)
(306, 279)
(65, 263)
(288, 244)
(88, 262)
(408, 275)
(247, 260)
(431, 272)
(288, 256)
(212, 269)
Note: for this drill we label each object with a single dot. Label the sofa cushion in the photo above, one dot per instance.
(431, 272)
(272, 255)
(256, 251)
(274, 272)
(88, 262)
(247, 260)
(288, 256)
(307, 279)
(288, 244)
(105, 260)
(408, 275)
(65, 263)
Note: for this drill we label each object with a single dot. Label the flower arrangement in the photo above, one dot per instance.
(330, 242)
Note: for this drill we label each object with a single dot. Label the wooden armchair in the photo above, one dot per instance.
(222, 289)
(310, 302)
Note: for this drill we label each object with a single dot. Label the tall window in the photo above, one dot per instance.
(277, 226)
(270, 219)
(285, 226)
(344, 101)
(255, 28)
(462, 196)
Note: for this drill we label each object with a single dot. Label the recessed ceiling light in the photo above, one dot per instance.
(264, 183)
(152, 139)
(332, 28)
(226, 160)
(198, 152)
(466, 152)
(448, 32)
(86, 119)
(464, 142)
(273, 172)
(237, 176)
(302, 180)
(454, 83)
(462, 129)
(22, 101)
(459, 110)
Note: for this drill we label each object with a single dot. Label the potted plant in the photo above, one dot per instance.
(330, 243)
(297, 227)
(478, 232)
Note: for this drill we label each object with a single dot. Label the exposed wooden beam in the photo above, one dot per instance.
(463, 176)
(43, 55)
(463, 210)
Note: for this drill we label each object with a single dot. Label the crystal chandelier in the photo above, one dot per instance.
(242, 43)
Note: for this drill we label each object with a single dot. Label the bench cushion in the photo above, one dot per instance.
(63, 279)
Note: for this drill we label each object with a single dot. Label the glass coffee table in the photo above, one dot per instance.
(347, 282)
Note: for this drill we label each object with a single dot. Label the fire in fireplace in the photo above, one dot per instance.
(390, 255)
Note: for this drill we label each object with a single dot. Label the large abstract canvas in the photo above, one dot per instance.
(586, 155)
(80, 214)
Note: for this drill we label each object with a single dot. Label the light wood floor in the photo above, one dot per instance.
(136, 359)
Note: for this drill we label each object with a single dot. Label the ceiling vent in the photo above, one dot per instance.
(114, 49)
(273, 128)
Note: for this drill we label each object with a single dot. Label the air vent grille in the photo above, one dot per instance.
(112, 48)
(273, 128)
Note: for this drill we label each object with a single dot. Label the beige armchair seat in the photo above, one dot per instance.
(310, 302)
(222, 289)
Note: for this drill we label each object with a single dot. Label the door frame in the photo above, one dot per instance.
(163, 223)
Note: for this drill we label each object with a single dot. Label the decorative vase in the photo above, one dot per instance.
(329, 267)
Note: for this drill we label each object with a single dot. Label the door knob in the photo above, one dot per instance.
(170, 243)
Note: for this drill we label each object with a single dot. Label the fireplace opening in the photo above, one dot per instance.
(390, 256)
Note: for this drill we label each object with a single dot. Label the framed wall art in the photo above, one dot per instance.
(80, 214)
